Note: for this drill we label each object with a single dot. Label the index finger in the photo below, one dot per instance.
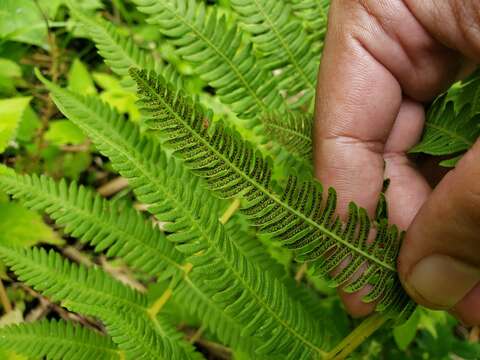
(376, 51)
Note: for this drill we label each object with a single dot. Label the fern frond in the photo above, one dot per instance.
(292, 130)
(299, 217)
(453, 122)
(92, 292)
(282, 43)
(220, 55)
(120, 52)
(62, 280)
(314, 15)
(57, 340)
(124, 235)
(261, 306)
(101, 223)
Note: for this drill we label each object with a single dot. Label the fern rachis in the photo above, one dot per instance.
(297, 218)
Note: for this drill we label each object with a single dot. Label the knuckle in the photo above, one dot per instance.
(467, 17)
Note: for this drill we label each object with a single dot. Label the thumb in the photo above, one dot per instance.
(439, 262)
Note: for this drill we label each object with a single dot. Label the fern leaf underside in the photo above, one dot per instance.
(297, 217)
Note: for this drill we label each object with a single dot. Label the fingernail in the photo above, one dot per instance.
(442, 281)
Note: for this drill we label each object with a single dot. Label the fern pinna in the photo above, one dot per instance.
(211, 265)
(297, 216)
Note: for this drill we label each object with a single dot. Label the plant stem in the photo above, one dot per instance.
(356, 337)
(4, 298)
(230, 211)
(161, 301)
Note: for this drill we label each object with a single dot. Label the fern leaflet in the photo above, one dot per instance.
(314, 15)
(92, 292)
(120, 52)
(452, 125)
(292, 130)
(298, 217)
(101, 223)
(130, 238)
(221, 57)
(57, 340)
(282, 43)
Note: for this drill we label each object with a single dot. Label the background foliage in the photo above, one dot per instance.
(36, 139)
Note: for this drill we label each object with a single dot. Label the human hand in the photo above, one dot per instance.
(382, 60)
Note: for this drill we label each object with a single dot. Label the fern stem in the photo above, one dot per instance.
(357, 337)
(7, 306)
(232, 209)
(159, 303)
(301, 273)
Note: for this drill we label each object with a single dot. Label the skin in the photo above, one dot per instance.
(383, 60)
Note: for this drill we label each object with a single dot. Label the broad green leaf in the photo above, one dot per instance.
(75, 163)
(21, 20)
(22, 227)
(117, 96)
(11, 112)
(405, 333)
(9, 69)
(429, 319)
(28, 125)
(79, 79)
(64, 132)
(9, 73)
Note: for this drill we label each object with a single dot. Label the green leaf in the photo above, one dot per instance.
(282, 44)
(117, 96)
(21, 20)
(452, 125)
(262, 307)
(405, 333)
(80, 80)
(222, 56)
(24, 228)
(9, 73)
(11, 112)
(8, 355)
(28, 125)
(299, 216)
(63, 132)
(57, 340)
(292, 130)
(10, 69)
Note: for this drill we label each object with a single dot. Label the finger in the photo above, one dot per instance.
(371, 53)
(439, 263)
(374, 52)
(408, 189)
(455, 23)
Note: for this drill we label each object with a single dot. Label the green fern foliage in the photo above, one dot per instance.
(106, 225)
(282, 43)
(92, 292)
(453, 125)
(221, 57)
(138, 244)
(261, 307)
(58, 340)
(120, 52)
(292, 130)
(314, 14)
(299, 217)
